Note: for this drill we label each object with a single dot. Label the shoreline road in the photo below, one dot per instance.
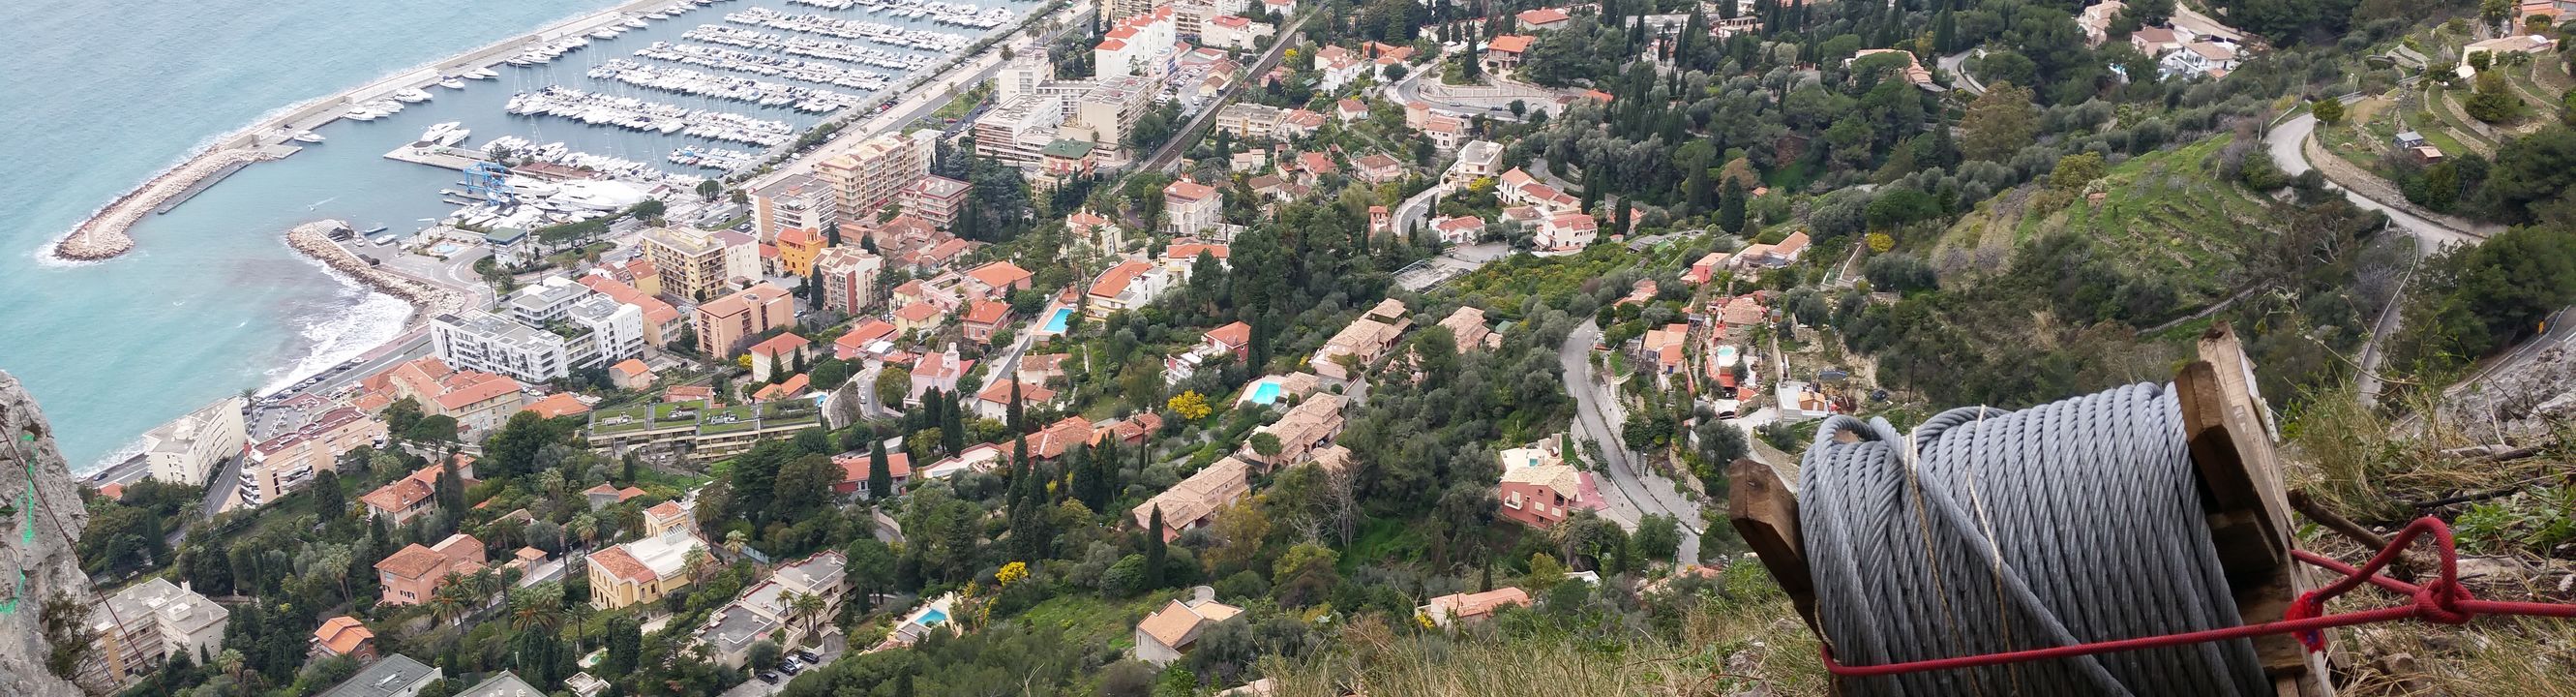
(1644, 491)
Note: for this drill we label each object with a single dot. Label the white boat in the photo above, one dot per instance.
(411, 95)
(449, 133)
(603, 34)
(452, 82)
(482, 74)
(307, 137)
(636, 23)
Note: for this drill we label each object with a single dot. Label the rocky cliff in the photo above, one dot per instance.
(44, 519)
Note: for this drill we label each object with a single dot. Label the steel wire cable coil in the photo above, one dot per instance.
(1987, 530)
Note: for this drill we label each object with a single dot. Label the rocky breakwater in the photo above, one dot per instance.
(103, 235)
(45, 600)
(426, 299)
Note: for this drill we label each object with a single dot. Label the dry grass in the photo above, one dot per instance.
(1722, 649)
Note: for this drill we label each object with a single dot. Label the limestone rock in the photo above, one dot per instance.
(44, 521)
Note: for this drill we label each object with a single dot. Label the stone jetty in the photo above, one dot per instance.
(427, 299)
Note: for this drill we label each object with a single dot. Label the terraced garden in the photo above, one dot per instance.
(2167, 214)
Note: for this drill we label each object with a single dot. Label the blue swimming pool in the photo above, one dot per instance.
(1056, 324)
(1266, 392)
(933, 618)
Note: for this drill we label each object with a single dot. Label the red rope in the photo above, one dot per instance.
(2443, 600)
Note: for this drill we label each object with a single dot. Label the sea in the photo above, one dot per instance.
(211, 302)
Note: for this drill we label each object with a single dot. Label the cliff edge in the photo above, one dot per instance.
(44, 518)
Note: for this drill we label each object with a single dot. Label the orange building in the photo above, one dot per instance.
(797, 248)
(410, 576)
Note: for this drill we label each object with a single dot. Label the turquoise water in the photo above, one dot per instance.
(102, 95)
(1055, 325)
(1266, 392)
(933, 618)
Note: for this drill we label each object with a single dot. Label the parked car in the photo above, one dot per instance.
(768, 676)
(808, 656)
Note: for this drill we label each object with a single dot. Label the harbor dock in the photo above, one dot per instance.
(438, 156)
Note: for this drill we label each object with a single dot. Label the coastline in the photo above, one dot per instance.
(425, 298)
(104, 234)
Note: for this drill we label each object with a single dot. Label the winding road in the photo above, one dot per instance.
(2287, 143)
(1643, 492)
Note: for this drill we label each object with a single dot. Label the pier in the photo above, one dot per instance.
(438, 156)
(426, 299)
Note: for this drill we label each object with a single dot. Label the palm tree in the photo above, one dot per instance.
(449, 601)
(695, 561)
(735, 540)
(230, 663)
(586, 527)
(804, 609)
(537, 613)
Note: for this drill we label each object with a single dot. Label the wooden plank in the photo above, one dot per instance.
(1764, 511)
(2230, 435)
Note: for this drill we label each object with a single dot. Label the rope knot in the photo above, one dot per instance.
(2439, 601)
(2307, 606)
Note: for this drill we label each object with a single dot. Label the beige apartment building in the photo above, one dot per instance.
(696, 264)
(285, 463)
(184, 450)
(869, 176)
(728, 320)
(849, 279)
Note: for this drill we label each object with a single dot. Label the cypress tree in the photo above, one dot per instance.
(1154, 551)
(880, 475)
(1730, 206)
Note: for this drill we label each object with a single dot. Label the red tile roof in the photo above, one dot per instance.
(854, 466)
(622, 565)
(781, 344)
(999, 274)
(1189, 190)
(1231, 336)
(1117, 278)
(558, 404)
(1509, 43)
(342, 635)
(987, 312)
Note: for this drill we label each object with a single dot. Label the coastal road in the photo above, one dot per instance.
(1644, 491)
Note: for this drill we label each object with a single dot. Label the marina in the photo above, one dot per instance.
(640, 115)
(298, 319)
(766, 65)
(692, 82)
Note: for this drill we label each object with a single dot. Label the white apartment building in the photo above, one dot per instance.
(185, 450)
(1023, 75)
(1137, 45)
(485, 342)
(1104, 112)
(1014, 133)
